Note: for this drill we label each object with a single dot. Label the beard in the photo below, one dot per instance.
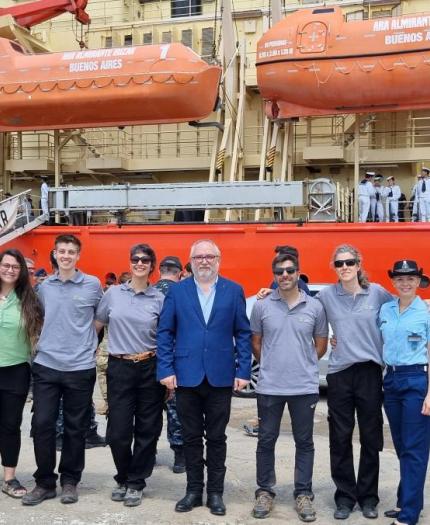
(205, 274)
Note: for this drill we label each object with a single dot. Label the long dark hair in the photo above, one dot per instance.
(31, 309)
(363, 281)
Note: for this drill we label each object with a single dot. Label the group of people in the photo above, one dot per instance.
(379, 203)
(191, 341)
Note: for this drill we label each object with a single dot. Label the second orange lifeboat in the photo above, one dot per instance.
(153, 84)
(313, 62)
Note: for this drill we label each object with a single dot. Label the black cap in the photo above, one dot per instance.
(41, 272)
(408, 267)
(171, 260)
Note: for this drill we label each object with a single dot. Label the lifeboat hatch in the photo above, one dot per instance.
(312, 38)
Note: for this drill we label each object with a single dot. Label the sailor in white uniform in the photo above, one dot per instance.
(392, 194)
(365, 192)
(44, 190)
(415, 213)
(376, 205)
(423, 191)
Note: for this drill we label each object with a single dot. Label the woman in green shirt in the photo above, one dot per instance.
(20, 323)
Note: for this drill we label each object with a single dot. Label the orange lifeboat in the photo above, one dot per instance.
(104, 87)
(313, 62)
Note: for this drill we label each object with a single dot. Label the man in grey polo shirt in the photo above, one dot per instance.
(64, 366)
(290, 334)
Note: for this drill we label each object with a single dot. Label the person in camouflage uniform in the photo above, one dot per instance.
(170, 272)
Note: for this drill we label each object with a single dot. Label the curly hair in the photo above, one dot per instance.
(363, 281)
(31, 308)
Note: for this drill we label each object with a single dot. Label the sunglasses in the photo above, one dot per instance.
(280, 271)
(347, 262)
(144, 259)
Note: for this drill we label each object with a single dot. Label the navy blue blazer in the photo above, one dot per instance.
(191, 349)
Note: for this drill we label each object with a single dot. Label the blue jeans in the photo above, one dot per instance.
(270, 412)
(404, 393)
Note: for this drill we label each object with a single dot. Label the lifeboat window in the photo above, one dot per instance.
(17, 47)
(323, 10)
(312, 38)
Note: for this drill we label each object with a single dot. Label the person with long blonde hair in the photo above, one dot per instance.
(354, 382)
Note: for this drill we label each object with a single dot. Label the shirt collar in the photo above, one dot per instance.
(415, 304)
(213, 286)
(77, 278)
(150, 291)
(276, 296)
(340, 290)
(11, 298)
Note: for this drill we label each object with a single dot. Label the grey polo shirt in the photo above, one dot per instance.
(132, 318)
(289, 362)
(354, 321)
(68, 340)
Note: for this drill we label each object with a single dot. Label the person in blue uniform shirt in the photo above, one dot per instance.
(405, 327)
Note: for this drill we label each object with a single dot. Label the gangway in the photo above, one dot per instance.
(229, 195)
(23, 219)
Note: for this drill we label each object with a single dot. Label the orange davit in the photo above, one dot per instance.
(313, 62)
(104, 87)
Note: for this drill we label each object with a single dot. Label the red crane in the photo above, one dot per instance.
(33, 13)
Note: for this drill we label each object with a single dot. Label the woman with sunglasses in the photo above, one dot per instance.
(20, 324)
(135, 397)
(354, 382)
(405, 326)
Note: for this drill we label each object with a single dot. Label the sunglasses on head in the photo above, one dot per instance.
(280, 271)
(347, 262)
(135, 259)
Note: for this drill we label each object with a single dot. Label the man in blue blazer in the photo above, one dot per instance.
(204, 350)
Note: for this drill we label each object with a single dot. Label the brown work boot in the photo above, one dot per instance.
(263, 504)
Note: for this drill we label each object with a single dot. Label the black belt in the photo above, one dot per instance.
(407, 368)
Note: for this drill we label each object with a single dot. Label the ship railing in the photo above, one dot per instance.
(412, 132)
(137, 143)
(31, 144)
(17, 215)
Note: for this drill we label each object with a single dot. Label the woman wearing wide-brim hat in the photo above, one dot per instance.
(405, 326)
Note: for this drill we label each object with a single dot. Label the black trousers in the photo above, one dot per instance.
(204, 411)
(356, 390)
(14, 384)
(76, 388)
(135, 400)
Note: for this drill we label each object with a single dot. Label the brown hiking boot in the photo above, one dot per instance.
(305, 509)
(263, 504)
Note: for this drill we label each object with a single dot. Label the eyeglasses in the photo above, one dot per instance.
(281, 271)
(144, 259)
(12, 267)
(347, 262)
(200, 258)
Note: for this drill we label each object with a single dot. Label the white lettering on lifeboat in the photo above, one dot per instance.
(404, 38)
(76, 67)
(99, 53)
(111, 64)
(402, 23)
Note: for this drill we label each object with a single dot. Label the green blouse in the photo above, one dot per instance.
(14, 345)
